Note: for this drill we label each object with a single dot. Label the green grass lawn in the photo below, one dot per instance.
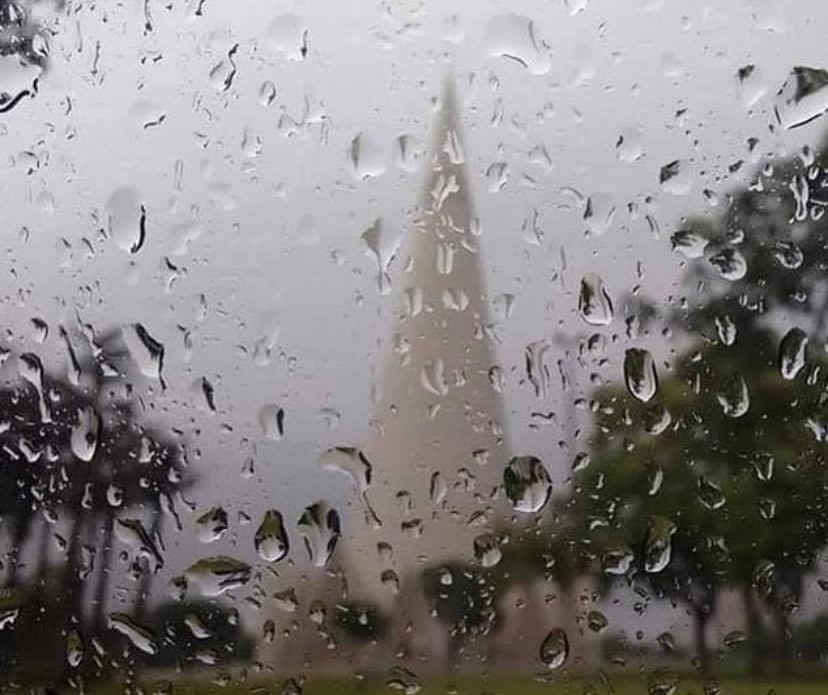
(615, 684)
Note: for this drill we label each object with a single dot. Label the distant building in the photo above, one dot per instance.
(438, 447)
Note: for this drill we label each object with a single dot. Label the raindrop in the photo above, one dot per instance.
(527, 484)
(84, 435)
(196, 626)
(267, 93)
(710, 494)
(366, 159)
(554, 650)
(74, 649)
(212, 525)
(802, 98)
(271, 540)
(726, 329)
(764, 577)
(597, 621)
(126, 219)
(656, 419)
(217, 575)
(142, 638)
(513, 36)
(224, 72)
(763, 467)
(18, 79)
(272, 421)
(319, 527)
(351, 462)
(658, 544)
(689, 244)
(792, 353)
(403, 680)
(734, 397)
(788, 254)
(599, 213)
(594, 303)
(31, 369)
(40, 330)
(438, 488)
(147, 352)
(287, 35)
(676, 178)
(617, 560)
(487, 550)
(640, 374)
(629, 146)
(655, 477)
(730, 263)
(286, 600)
(133, 533)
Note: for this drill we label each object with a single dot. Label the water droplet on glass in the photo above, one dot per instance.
(216, 575)
(212, 525)
(514, 36)
(689, 244)
(802, 98)
(656, 419)
(599, 213)
(594, 303)
(640, 374)
(487, 549)
(629, 146)
(763, 467)
(438, 488)
(676, 178)
(554, 650)
(658, 544)
(40, 330)
(597, 621)
(710, 494)
(271, 540)
(267, 93)
(403, 680)
(734, 397)
(74, 649)
(147, 352)
(365, 158)
(730, 263)
(18, 78)
(764, 578)
(788, 254)
(132, 533)
(319, 527)
(141, 637)
(792, 351)
(272, 421)
(726, 329)
(287, 35)
(527, 484)
(126, 219)
(84, 435)
(350, 461)
(224, 72)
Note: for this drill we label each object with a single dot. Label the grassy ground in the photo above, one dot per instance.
(621, 684)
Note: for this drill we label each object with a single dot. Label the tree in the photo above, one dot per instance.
(75, 453)
(725, 468)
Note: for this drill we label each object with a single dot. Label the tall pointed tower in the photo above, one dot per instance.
(437, 451)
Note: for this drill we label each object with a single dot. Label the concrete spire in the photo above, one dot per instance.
(438, 449)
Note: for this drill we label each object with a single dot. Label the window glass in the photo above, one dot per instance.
(463, 347)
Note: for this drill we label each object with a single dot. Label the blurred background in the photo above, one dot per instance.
(457, 347)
